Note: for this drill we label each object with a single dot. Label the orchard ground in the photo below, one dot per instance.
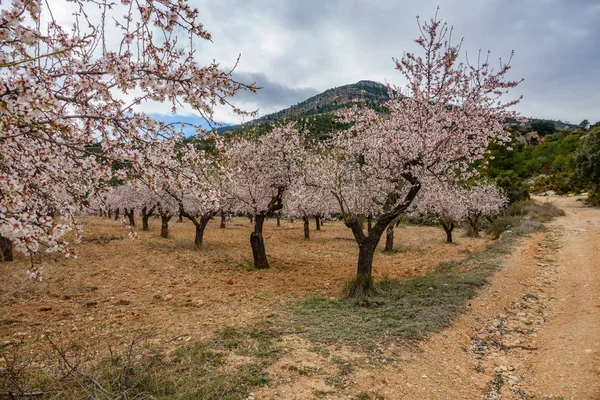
(118, 284)
(531, 332)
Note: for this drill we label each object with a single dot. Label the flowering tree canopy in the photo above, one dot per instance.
(70, 98)
(262, 170)
(304, 201)
(482, 199)
(447, 203)
(434, 128)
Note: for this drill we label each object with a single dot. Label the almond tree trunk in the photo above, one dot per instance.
(258, 244)
(129, 213)
(318, 222)
(367, 244)
(369, 223)
(146, 214)
(164, 225)
(222, 226)
(199, 222)
(448, 228)
(473, 231)
(389, 238)
(200, 226)
(6, 249)
(278, 220)
(306, 228)
(116, 214)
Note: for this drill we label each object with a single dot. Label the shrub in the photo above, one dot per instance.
(513, 186)
(587, 160)
(522, 217)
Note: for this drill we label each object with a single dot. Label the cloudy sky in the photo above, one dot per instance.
(294, 49)
(297, 48)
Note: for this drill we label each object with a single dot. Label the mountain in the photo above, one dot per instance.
(370, 92)
(332, 99)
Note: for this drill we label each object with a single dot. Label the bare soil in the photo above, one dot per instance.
(181, 293)
(532, 333)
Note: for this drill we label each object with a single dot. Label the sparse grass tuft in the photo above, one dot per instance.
(543, 212)
(406, 309)
(359, 288)
(393, 251)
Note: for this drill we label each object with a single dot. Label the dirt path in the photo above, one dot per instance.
(567, 363)
(534, 333)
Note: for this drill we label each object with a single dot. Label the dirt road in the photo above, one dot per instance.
(534, 333)
(567, 363)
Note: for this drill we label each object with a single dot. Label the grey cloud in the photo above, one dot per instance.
(321, 44)
(271, 96)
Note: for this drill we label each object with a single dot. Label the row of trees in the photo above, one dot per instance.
(449, 205)
(71, 126)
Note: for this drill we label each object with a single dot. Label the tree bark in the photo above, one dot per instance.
(369, 223)
(129, 213)
(200, 224)
(6, 249)
(258, 244)
(448, 228)
(251, 218)
(389, 238)
(222, 226)
(164, 225)
(367, 244)
(200, 230)
(278, 220)
(116, 214)
(366, 251)
(109, 215)
(306, 228)
(318, 222)
(180, 219)
(473, 231)
(146, 214)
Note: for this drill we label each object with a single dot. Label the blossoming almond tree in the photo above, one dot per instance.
(195, 180)
(482, 199)
(70, 98)
(262, 169)
(132, 196)
(437, 126)
(304, 202)
(446, 202)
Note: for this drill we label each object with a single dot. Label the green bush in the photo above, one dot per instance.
(587, 160)
(513, 186)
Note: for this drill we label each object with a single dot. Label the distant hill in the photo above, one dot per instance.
(330, 100)
(370, 92)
